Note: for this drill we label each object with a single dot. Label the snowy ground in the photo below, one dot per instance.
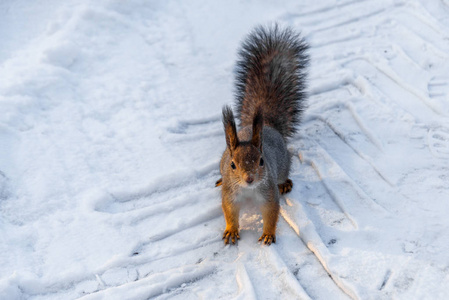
(110, 137)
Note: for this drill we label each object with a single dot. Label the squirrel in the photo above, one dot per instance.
(270, 98)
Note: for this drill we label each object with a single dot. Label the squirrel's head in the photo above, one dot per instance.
(247, 166)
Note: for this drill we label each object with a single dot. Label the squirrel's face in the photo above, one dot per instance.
(247, 165)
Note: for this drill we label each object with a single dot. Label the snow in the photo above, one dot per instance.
(110, 138)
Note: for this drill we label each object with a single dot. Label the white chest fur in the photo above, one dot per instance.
(250, 196)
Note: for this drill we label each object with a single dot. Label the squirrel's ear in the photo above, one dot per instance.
(257, 129)
(230, 129)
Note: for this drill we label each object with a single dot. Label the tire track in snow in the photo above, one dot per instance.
(390, 73)
(324, 9)
(285, 274)
(260, 270)
(398, 81)
(302, 265)
(129, 208)
(305, 230)
(348, 21)
(342, 189)
(116, 200)
(359, 153)
(157, 284)
(246, 288)
(201, 218)
(117, 272)
(359, 168)
(387, 78)
(341, 15)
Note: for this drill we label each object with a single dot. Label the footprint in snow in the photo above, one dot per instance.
(438, 142)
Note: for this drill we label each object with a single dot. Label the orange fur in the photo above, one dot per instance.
(270, 213)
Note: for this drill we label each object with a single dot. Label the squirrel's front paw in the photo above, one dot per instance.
(267, 239)
(285, 187)
(230, 234)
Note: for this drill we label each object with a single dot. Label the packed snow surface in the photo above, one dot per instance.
(111, 134)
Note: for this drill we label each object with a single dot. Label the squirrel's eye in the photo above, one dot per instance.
(233, 165)
(261, 162)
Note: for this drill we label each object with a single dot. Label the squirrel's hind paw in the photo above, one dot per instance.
(267, 239)
(285, 187)
(230, 234)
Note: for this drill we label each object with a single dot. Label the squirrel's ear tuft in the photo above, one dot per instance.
(230, 129)
(257, 129)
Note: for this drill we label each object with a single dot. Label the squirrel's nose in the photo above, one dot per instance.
(249, 179)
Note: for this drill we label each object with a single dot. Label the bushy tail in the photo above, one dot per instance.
(271, 74)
